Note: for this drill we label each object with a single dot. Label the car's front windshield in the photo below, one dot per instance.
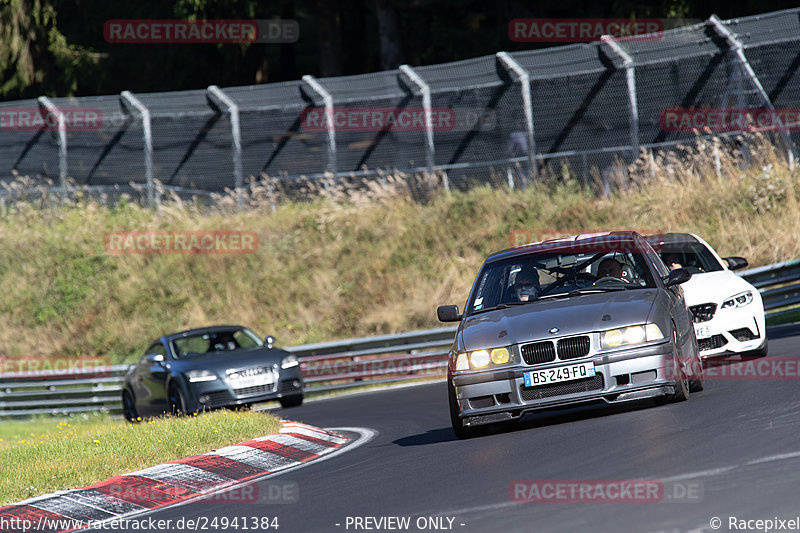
(214, 341)
(693, 256)
(545, 275)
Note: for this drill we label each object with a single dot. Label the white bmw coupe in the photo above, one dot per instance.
(727, 311)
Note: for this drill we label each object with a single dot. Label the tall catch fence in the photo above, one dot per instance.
(586, 110)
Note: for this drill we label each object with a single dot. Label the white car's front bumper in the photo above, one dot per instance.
(732, 331)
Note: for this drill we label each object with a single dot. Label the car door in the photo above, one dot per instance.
(154, 379)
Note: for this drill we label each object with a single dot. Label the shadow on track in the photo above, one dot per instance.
(530, 421)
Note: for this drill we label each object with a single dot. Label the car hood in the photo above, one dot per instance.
(221, 361)
(573, 315)
(714, 287)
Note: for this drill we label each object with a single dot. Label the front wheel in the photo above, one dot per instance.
(129, 407)
(461, 431)
(176, 401)
(292, 401)
(682, 385)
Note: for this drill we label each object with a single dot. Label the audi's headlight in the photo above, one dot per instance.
(738, 300)
(198, 376)
(631, 335)
(483, 358)
(289, 361)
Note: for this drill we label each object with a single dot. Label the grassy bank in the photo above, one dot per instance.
(49, 455)
(349, 264)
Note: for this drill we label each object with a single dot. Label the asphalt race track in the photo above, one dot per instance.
(732, 450)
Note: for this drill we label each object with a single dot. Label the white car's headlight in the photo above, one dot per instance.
(628, 336)
(738, 300)
(483, 358)
(289, 361)
(197, 376)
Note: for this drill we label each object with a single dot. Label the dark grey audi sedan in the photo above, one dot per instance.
(219, 366)
(588, 318)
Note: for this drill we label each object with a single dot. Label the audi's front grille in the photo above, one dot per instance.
(539, 352)
(712, 343)
(562, 389)
(573, 347)
(703, 312)
(258, 389)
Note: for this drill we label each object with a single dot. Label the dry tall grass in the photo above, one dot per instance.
(368, 257)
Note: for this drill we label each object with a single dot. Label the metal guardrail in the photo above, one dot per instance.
(326, 366)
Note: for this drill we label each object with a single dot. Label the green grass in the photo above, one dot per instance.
(349, 263)
(46, 455)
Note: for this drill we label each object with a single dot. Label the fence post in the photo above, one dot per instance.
(425, 90)
(50, 107)
(527, 103)
(222, 100)
(630, 77)
(129, 100)
(737, 47)
(317, 87)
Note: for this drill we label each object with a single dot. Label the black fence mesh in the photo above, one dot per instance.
(580, 103)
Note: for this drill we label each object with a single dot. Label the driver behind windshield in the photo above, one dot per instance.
(610, 268)
(526, 284)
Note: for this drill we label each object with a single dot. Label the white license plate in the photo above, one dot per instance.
(253, 381)
(559, 374)
(702, 332)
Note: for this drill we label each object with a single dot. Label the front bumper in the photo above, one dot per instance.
(624, 375)
(219, 393)
(730, 332)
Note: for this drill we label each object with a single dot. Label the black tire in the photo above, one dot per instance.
(292, 401)
(698, 381)
(176, 403)
(129, 407)
(756, 354)
(461, 431)
(698, 384)
(682, 384)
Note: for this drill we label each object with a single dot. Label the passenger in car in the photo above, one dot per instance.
(672, 261)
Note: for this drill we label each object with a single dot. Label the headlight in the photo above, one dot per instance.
(197, 376)
(614, 338)
(738, 300)
(289, 361)
(483, 358)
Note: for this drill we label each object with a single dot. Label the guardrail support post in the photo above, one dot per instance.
(128, 100)
(425, 90)
(223, 101)
(527, 103)
(317, 87)
(48, 106)
(630, 78)
(736, 46)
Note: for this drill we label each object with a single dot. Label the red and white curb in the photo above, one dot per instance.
(191, 478)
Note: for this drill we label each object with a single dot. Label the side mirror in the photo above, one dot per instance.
(735, 263)
(676, 277)
(269, 341)
(448, 313)
(154, 358)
